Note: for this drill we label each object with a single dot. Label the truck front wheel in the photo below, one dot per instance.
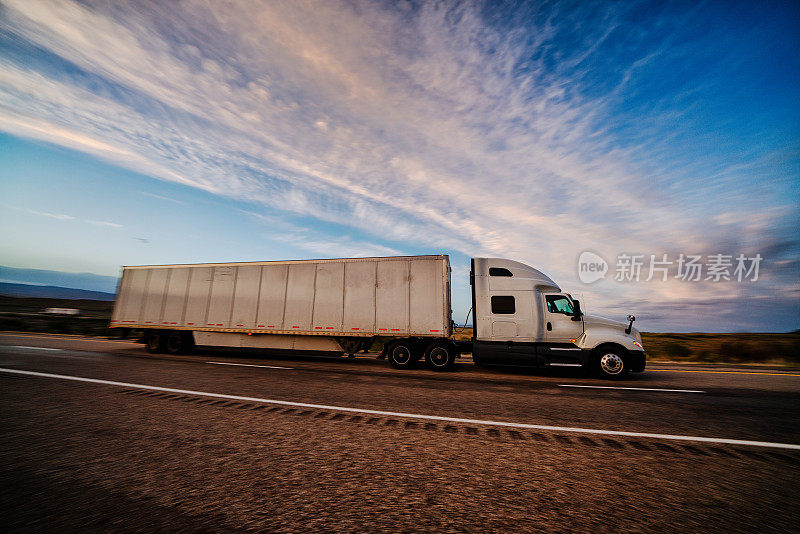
(440, 356)
(401, 355)
(611, 364)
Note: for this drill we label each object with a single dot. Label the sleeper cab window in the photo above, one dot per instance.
(503, 305)
(499, 271)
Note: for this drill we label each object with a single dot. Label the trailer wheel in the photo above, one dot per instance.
(176, 343)
(401, 355)
(155, 342)
(440, 356)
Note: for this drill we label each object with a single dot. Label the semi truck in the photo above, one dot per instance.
(520, 316)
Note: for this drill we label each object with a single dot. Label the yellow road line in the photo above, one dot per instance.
(721, 372)
(53, 336)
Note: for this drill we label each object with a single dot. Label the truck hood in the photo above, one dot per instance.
(597, 323)
(596, 320)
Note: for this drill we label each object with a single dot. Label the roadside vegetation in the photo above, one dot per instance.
(781, 349)
(27, 315)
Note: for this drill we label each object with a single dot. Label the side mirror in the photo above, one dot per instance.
(631, 318)
(576, 312)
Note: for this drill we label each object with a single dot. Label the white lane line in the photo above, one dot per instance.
(675, 437)
(31, 348)
(249, 365)
(632, 389)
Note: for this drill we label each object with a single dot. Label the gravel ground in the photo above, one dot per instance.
(89, 457)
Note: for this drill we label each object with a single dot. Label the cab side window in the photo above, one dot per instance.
(559, 304)
(499, 271)
(503, 305)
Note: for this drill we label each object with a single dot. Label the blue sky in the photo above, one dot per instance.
(145, 132)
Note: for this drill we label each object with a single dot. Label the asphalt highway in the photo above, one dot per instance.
(99, 435)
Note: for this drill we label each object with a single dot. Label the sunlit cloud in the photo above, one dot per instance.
(441, 126)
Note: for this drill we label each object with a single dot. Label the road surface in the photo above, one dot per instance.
(100, 435)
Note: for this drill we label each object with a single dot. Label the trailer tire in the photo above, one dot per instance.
(611, 363)
(155, 342)
(402, 355)
(440, 356)
(176, 343)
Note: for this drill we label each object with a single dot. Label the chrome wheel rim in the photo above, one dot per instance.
(439, 356)
(401, 355)
(611, 364)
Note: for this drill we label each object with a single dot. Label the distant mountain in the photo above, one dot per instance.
(52, 292)
(59, 279)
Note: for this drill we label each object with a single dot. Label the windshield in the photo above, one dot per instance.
(559, 304)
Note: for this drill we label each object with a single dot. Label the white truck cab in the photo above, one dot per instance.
(521, 317)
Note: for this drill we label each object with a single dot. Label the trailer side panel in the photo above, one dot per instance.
(395, 296)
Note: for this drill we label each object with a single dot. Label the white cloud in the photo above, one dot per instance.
(59, 216)
(65, 217)
(427, 127)
(161, 197)
(104, 223)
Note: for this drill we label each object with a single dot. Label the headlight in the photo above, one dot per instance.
(638, 345)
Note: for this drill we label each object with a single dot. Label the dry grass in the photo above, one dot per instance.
(724, 348)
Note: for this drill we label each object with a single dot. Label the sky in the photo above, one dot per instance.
(139, 132)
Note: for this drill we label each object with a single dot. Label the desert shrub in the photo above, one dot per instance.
(61, 326)
(705, 355)
(13, 323)
(737, 351)
(677, 350)
(793, 352)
